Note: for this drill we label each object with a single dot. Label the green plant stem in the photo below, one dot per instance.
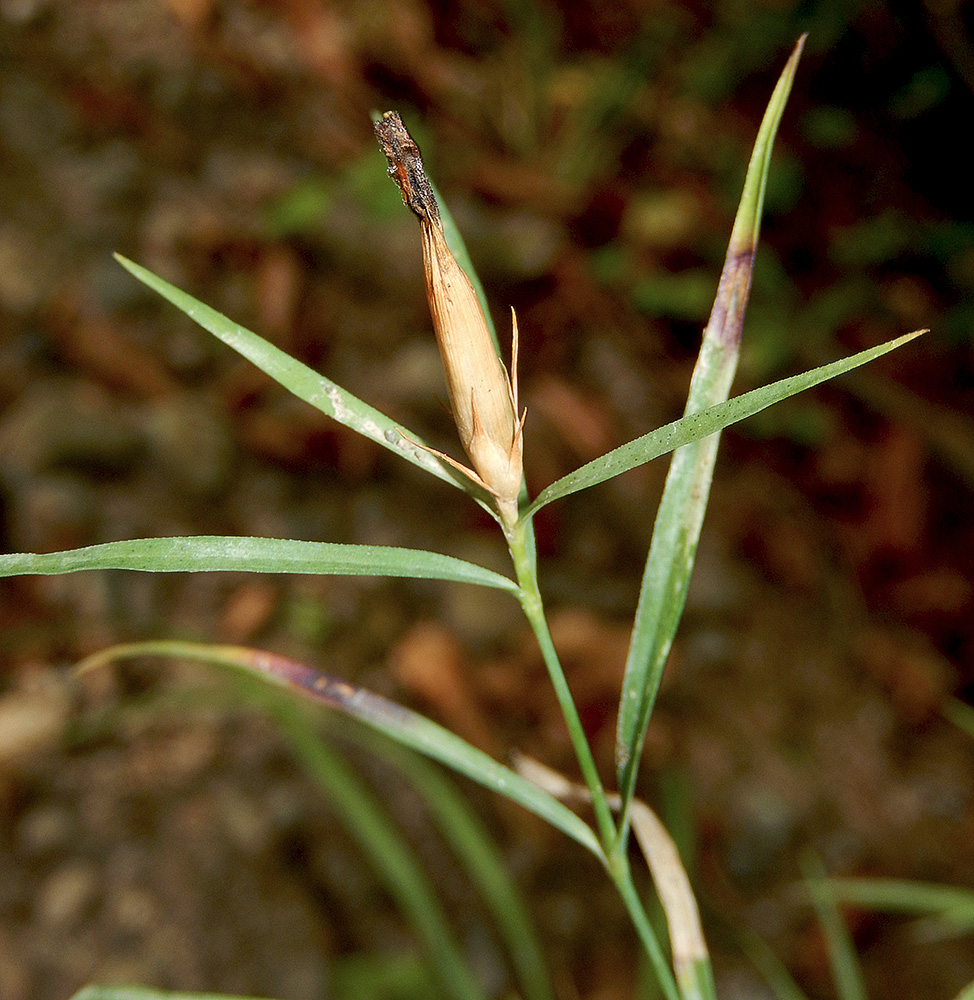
(622, 878)
(617, 861)
(530, 597)
(846, 970)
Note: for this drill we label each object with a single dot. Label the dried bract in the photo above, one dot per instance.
(483, 398)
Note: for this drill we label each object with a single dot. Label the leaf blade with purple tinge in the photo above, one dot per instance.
(395, 721)
(681, 511)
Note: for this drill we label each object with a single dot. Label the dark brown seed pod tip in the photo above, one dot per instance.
(406, 166)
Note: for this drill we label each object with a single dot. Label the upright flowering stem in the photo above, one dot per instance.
(534, 610)
(484, 402)
(617, 861)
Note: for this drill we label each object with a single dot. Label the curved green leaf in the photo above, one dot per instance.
(960, 714)
(305, 382)
(771, 969)
(473, 844)
(846, 970)
(144, 993)
(393, 720)
(384, 846)
(953, 903)
(696, 426)
(220, 553)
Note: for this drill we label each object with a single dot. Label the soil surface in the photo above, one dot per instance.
(155, 826)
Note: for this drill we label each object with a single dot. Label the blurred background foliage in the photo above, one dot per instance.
(593, 155)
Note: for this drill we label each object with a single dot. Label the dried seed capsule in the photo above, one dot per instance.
(483, 398)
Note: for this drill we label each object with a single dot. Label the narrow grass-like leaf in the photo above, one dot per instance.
(220, 553)
(461, 827)
(681, 510)
(846, 970)
(696, 426)
(304, 382)
(771, 968)
(967, 993)
(472, 843)
(395, 721)
(144, 993)
(371, 976)
(952, 906)
(960, 714)
(387, 851)
(901, 896)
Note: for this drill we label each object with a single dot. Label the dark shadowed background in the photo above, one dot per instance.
(592, 156)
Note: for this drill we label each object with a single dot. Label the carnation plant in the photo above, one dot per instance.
(487, 410)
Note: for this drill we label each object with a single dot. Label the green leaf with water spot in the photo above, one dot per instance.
(697, 426)
(222, 553)
(304, 382)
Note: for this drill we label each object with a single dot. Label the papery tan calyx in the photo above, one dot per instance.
(482, 396)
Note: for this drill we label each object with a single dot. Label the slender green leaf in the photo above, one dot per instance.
(144, 993)
(462, 828)
(771, 968)
(395, 721)
(696, 426)
(218, 553)
(960, 714)
(304, 382)
(371, 976)
(383, 845)
(355, 805)
(846, 970)
(967, 993)
(952, 904)
(681, 510)
(474, 846)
